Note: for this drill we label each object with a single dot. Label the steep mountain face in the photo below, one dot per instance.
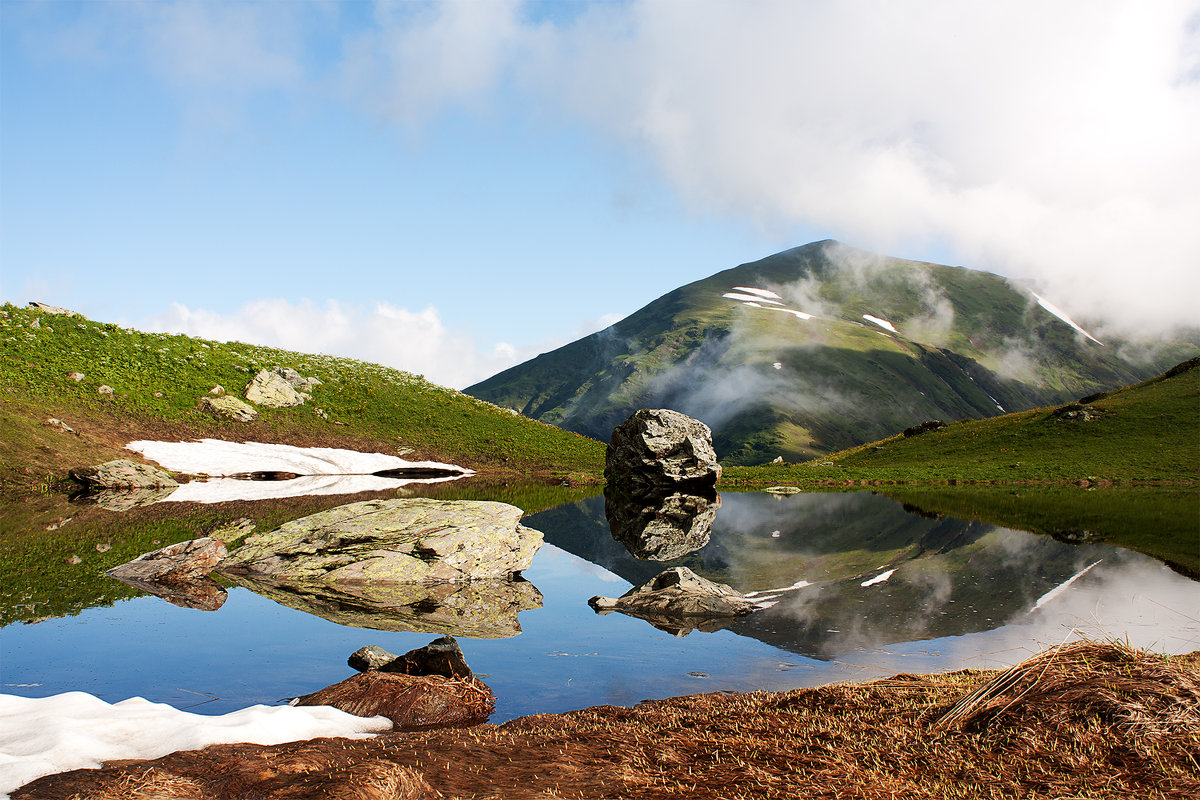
(823, 347)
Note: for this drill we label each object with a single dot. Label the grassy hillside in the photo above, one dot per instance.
(158, 381)
(962, 344)
(1146, 432)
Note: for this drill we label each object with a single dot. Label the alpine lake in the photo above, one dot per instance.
(862, 585)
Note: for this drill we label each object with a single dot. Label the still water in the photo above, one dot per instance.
(865, 589)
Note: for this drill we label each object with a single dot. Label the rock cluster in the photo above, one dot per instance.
(441, 657)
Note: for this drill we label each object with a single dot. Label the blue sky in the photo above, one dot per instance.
(453, 187)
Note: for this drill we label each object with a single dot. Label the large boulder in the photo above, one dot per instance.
(659, 447)
(415, 540)
(228, 407)
(272, 390)
(409, 701)
(660, 526)
(677, 598)
(123, 474)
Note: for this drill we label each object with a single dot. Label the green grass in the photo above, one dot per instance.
(158, 379)
(1149, 432)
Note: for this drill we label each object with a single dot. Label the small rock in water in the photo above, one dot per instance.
(371, 657)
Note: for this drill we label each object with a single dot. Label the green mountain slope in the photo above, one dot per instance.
(830, 348)
(157, 381)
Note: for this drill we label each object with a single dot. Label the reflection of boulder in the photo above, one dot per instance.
(474, 609)
(677, 600)
(660, 526)
(402, 540)
(659, 447)
(124, 499)
(178, 573)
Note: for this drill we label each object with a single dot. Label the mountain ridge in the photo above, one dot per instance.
(821, 347)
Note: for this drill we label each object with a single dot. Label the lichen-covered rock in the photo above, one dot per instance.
(228, 407)
(183, 561)
(659, 447)
(677, 593)
(409, 701)
(272, 390)
(123, 474)
(660, 526)
(178, 573)
(398, 541)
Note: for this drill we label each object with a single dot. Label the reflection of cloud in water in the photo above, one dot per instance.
(560, 559)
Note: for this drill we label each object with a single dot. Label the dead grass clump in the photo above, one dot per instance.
(1086, 720)
(409, 701)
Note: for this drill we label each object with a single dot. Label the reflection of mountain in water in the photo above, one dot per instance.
(948, 576)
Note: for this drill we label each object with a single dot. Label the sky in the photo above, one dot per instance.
(454, 187)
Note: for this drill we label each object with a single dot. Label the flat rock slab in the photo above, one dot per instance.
(183, 561)
(228, 407)
(397, 541)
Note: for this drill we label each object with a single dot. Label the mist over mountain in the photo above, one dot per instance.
(823, 347)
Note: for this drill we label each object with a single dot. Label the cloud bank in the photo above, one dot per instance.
(1054, 142)
(413, 341)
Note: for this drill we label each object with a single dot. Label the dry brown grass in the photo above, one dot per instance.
(1088, 720)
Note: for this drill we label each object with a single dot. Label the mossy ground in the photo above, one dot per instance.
(159, 379)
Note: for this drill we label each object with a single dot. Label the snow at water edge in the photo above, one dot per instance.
(75, 730)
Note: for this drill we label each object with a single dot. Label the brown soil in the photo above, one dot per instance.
(1089, 720)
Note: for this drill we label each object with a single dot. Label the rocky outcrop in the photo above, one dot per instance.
(123, 474)
(409, 701)
(485, 609)
(178, 573)
(660, 447)
(272, 390)
(924, 427)
(660, 526)
(675, 599)
(395, 541)
(228, 407)
(45, 308)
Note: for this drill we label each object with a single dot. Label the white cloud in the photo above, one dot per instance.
(414, 341)
(1050, 141)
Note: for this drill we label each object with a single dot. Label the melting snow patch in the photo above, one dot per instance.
(883, 323)
(751, 297)
(797, 314)
(76, 730)
(323, 470)
(760, 292)
(775, 592)
(1062, 587)
(880, 578)
(777, 365)
(1058, 312)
